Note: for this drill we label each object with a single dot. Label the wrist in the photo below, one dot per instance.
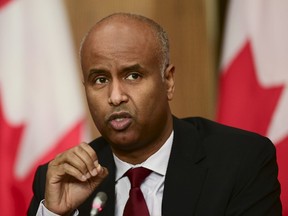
(56, 212)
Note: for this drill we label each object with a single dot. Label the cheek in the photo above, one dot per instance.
(96, 104)
(150, 98)
(97, 111)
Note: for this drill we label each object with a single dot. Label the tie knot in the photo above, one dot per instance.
(137, 175)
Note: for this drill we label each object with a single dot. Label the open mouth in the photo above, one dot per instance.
(120, 121)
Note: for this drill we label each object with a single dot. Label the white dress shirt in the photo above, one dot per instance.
(152, 187)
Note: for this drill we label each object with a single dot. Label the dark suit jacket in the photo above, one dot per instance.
(213, 170)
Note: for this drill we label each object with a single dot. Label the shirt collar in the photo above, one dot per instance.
(157, 162)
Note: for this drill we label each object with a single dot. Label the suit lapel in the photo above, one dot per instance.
(108, 186)
(185, 175)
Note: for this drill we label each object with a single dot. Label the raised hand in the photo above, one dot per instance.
(71, 177)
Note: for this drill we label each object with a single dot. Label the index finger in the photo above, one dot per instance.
(91, 161)
(89, 150)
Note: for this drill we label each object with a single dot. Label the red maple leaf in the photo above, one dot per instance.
(246, 104)
(16, 193)
(243, 102)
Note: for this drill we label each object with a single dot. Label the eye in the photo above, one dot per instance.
(101, 80)
(133, 76)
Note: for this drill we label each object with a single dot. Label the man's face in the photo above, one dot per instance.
(126, 94)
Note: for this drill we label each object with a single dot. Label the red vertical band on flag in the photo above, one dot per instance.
(282, 159)
(10, 137)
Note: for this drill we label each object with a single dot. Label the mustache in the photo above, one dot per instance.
(119, 112)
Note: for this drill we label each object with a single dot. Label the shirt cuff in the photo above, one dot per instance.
(43, 211)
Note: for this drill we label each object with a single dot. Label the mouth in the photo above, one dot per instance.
(120, 121)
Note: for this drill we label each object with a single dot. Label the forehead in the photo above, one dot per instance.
(119, 36)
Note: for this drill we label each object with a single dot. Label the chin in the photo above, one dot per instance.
(123, 141)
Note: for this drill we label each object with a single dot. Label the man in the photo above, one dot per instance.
(198, 167)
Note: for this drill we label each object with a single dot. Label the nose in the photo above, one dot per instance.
(117, 94)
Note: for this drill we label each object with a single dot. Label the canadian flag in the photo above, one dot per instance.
(253, 92)
(41, 109)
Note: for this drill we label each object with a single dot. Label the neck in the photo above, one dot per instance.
(143, 152)
(137, 156)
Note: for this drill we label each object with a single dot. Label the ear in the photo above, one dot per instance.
(170, 81)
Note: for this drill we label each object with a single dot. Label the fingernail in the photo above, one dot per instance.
(96, 163)
(83, 177)
(99, 168)
(94, 172)
(88, 175)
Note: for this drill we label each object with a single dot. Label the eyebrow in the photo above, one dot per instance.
(96, 71)
(135, 67)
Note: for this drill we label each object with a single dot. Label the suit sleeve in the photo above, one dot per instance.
(257, 189)
(38, 190)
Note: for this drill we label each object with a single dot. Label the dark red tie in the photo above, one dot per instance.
(136, 205)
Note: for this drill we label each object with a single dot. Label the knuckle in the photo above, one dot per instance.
(65, 166)
(58, 156)
(83, 168)
(83, 144)
(77, 148)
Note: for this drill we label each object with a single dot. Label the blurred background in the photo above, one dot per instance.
(231, 66)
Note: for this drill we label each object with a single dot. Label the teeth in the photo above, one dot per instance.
(118, 119)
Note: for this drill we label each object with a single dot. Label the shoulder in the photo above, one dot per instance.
(221, 141)
(241, 163)
(225, 135)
